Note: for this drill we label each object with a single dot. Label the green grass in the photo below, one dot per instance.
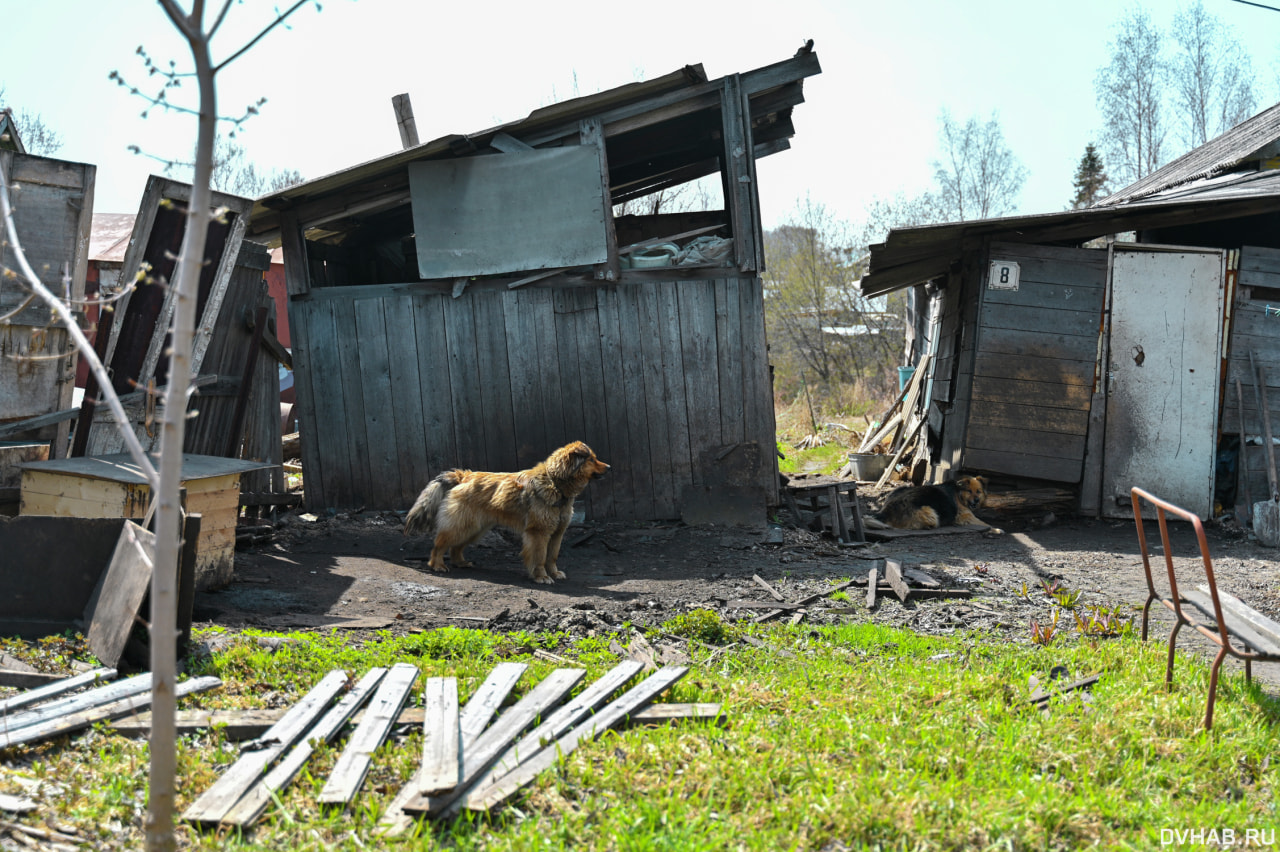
(860, 734)
(827, 459)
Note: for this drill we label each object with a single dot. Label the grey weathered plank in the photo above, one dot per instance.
(1259, 258)
(1033, 369)
(1046, 344)
(477, 758)
(525, 371)
(118, 596)
(675, 400)
(305, 408)
(214, 803)
(629, 353)
(629, 484)
(436, 386)
(571, 383)
(504, 786)
(53, 690)
(757, 385)
(1034, 317)
(328, 431)
(1051, 296)
(728, 342)
(75, 703)
(495, 389)
(472, 720)
(86, 715)
(698, 351)
(1023, 252)
(1039, 418)
(736, 160)
(1032, 393)
(1054, 468)
(352, 765)
(376, 354)
(598, 431)
(352, 401)
(541, 304)
(893, 573)
(441, 737)
(656, 400)
(464, 381)
(1237, 627)
(872, 584)
(1253, 620)
(406, 397)
(251, 805)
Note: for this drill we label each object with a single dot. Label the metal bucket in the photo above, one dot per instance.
(868, 466)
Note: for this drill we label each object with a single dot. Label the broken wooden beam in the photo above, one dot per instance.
(893, 573)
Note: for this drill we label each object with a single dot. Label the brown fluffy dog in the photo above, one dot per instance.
(460, 506)
(927, 507)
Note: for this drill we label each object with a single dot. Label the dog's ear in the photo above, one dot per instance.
(581, 451)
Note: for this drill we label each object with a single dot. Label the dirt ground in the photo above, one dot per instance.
(358, 572)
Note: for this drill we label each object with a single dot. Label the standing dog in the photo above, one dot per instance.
(927, 507)
(460, 506)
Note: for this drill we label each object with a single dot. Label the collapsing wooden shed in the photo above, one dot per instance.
(1101, 348)
(473, 302)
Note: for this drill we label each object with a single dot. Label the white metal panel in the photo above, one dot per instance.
(488, 215)
(1162, 381)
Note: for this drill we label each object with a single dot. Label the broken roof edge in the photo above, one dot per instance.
(675, 84)
(1224, 152)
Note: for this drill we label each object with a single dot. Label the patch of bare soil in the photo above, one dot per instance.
(357, 571)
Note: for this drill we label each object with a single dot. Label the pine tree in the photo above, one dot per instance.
(1091, 179)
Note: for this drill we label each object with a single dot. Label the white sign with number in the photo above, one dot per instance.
(1003, 275)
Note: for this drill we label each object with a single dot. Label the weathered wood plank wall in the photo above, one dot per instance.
(1034, 365)
(1255, 328)
(397, 383)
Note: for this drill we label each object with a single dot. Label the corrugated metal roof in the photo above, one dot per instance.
(1238, 145)
(912, 256)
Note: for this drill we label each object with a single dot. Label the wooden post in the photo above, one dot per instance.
(404, 120)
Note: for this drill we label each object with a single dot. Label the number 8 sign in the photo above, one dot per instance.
(1003, 275)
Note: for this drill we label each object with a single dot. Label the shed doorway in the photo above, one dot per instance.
(1162, 376)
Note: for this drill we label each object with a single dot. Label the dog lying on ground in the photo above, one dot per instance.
(927, 507)
(460, 506)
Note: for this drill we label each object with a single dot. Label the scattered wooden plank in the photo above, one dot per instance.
(916, 577)
(893, 573)
(251, 805)
(743, 603)
(16, 804)
(942, 593)
(471, 723)
(353, 764)
(51, 690)
(76, 703)
(441, 737)
(1043, 696)
(547, 694)
(214, 803)
(888, 535)
(656, 714)
(1255, 620)
(115, 602)
(872, 582)
(502, 787)
(805, 601)
(764, 584)
(13, 664)
(84, 718)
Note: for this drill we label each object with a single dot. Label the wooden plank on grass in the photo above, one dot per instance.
(502, 787)
(83, 718)
(480, 708)
(75, 703)
(53, 690)
(764, 584)
(251, 805)
(498, 736)
(115, 602)
(893, 573)
(805, 601)
(441, 736)
(353, 764)
(214, 803)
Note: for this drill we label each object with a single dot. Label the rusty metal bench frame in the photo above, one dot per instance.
(1247, 627)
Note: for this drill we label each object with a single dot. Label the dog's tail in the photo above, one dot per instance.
(421, 519)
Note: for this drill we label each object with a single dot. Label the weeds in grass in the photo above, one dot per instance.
(1044, 634)
(1099, 621)
(702, 625)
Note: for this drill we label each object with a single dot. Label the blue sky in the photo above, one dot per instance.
(868, 129)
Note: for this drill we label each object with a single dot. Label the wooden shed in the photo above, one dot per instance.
(1100, 348)
(473, 302)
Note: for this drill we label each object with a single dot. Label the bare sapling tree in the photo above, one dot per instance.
(1129, 89)
(1212, 76)
(164, 478)
(977, 174)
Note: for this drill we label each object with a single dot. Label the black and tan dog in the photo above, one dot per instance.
(927, 507)
(460, 506)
